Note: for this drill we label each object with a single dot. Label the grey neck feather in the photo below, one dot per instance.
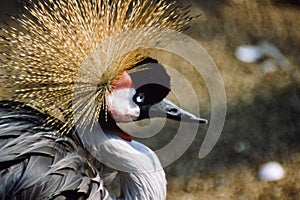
(143, 185)
(141, 174)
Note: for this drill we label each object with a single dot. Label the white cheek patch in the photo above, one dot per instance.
(121, 105)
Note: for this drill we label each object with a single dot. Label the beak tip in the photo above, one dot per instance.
(198, 119)
(203, 121)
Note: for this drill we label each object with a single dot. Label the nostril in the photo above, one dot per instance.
(173, 111)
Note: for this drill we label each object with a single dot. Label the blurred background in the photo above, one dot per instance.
(263, 101)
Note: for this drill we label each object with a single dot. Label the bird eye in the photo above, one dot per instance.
(140, 98)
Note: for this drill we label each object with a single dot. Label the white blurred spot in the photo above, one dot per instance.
(272, 56)
(248, 53)
(271, 171)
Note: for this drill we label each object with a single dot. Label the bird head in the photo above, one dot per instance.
(141, 93)
(80, 61)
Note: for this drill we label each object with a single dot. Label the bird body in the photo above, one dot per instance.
(140, 172)
(36, 164)
(73, 71)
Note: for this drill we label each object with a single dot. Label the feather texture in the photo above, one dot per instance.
(64, 55)
(60, 60)
(35, 164)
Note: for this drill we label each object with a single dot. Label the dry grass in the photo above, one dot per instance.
(263, 113)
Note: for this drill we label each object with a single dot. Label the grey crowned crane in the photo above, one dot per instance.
(70, 87)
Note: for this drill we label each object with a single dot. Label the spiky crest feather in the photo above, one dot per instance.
(65, 54)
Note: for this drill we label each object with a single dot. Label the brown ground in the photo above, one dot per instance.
(263, 113)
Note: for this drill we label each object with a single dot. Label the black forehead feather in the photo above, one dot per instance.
(151, 78)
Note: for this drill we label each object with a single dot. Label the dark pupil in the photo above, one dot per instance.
(140, 98)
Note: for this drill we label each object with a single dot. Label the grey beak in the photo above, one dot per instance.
(166, 108)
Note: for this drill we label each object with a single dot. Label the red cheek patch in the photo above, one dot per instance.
(124, 81)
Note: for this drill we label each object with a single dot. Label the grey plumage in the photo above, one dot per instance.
(64, 61)
(36, 164)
